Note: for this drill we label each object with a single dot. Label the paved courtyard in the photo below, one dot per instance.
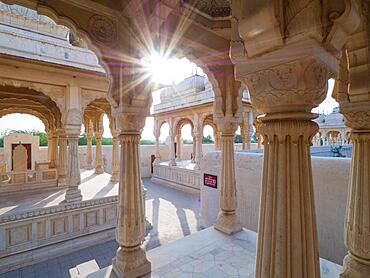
(173, 214)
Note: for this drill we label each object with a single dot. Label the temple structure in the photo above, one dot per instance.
(284, 52)
(332, 130)
(191, 102)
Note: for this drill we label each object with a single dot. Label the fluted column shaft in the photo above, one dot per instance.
(157, 153)
(115, 159)
(172, 150)
(63, 161)
(54, 151)
(99, 169)
(73, 193)
(89, 162)
(357, 223)
(194, 148)
(287, 239)
(198, 149)
(130, 260)
(216, 135)
(227, 221)
(178, 147)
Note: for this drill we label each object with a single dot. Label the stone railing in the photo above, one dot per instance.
(27, 177)
(31, 180)
(25, 237)
(180, 178)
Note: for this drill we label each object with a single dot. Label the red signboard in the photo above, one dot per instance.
(210, 180)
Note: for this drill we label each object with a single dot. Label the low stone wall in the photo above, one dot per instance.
(177, 177)
(146, 151)
(330, 177)
(29, 237)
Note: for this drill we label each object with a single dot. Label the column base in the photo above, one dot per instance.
(131, 262)
(62, 182)
(353, 268)
(114, 177)
(73, 195)
(227, 223)
(99, 170)
(89, 167)
(178, 159)
(172, 162)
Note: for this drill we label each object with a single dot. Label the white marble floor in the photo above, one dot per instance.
(92, 186)
(210, 253)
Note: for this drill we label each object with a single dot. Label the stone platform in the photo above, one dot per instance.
(209, 253)
(39, 226)
(183, 176)
(92, 187)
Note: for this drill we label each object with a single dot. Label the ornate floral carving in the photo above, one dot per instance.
(293, 86)
(130, 123)
(357, 119)
(102, 29)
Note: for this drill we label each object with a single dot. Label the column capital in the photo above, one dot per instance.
(73, 123)
(227, 125)
(295, 86)
(356, 115)
(129, 123)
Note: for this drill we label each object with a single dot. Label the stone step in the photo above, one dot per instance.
(84, 269)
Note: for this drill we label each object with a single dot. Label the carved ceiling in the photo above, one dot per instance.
(213, 8)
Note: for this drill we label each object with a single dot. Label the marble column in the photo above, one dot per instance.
(89, 162)
(357, 223)
(178, 147)
(115, 159)
(172, 149)
(216, 136)
(227, 221)
(287, 243)
(130, 260)
(198, 147)
(73, 193)
(63, 160)
(99, 168)
(157, 153)
(54, 151)
(50, 143)
(194, 148)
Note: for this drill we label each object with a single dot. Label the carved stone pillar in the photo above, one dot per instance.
(227, 221)
(130, 260)
(178, 147)
(63, 162)
(287, 238)
(157, 153)
(73, 127)
(194, 147)
(115, 158)
(89, 164)
(99, 168)
(357, 225)
(172, 149)
(54, 152)
(198, 132)
(216, 135)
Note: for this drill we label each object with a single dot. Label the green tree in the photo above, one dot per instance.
(146, 142)
(238, 138)
(208, 140)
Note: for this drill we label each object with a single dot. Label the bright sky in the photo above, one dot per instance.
(165, 72)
